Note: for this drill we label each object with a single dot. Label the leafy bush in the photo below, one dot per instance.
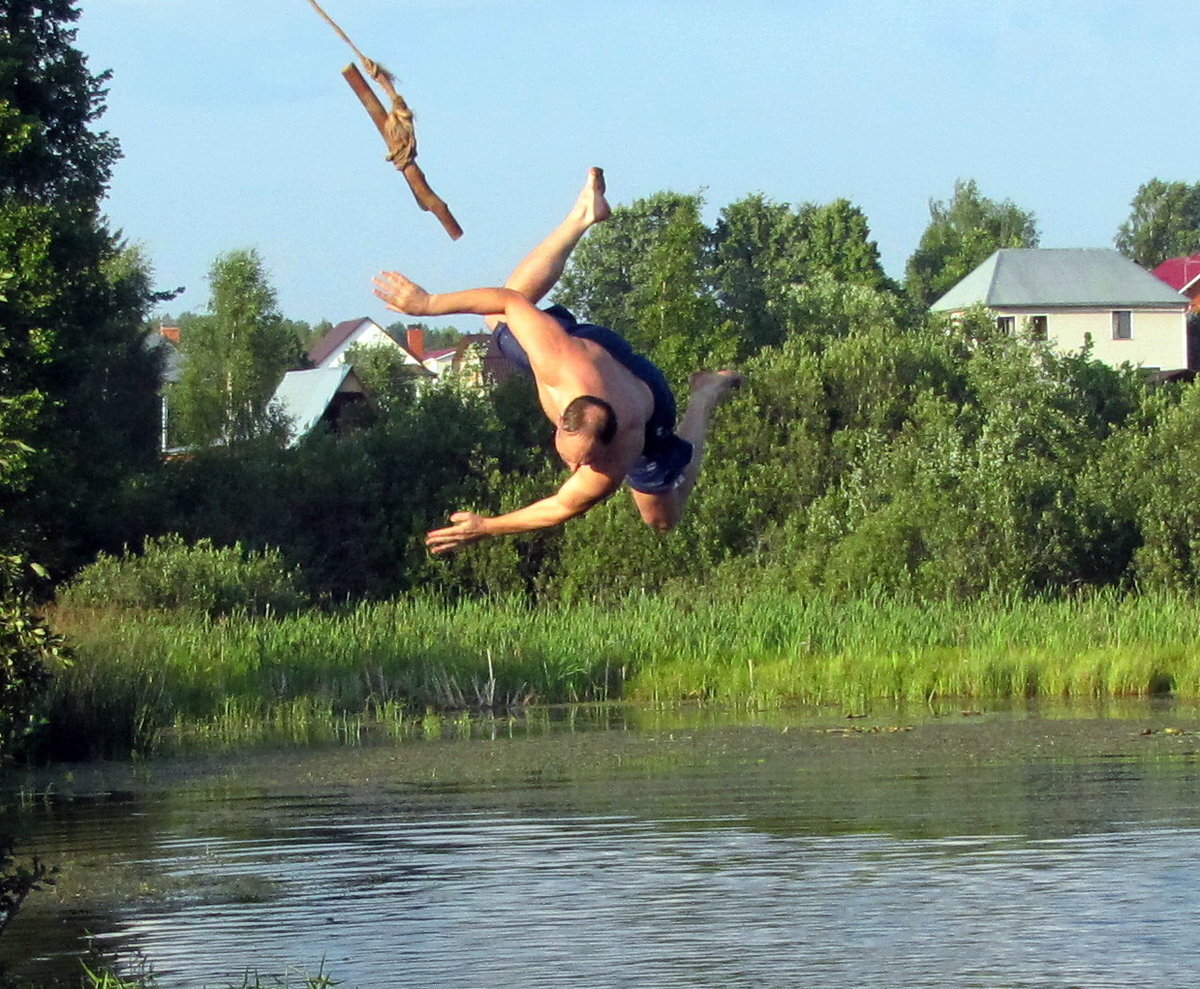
(1148, 477)
(170, 574)
(28, 652)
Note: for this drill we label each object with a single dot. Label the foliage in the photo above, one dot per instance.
(105, 978)
(29, 652)
(1147, 478)
(870, 448)
(610, 266)
(170, 574)
(674, 319)
(15, 414)
(1164, 222)
(835, 240)
(74, 296)
(754, 259)
(963, 232)
(50, 152)
(233, 358)
(386, 376)
(937, 468)
(378, 666)
(690, 296)
(350, 511)
(873, 445)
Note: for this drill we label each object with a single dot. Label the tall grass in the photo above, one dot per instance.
(301, 676)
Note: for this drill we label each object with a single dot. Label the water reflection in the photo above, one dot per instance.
(696, 856)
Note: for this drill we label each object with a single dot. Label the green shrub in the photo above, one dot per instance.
(170, 574)
(28, 651)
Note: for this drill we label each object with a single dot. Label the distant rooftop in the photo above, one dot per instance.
(1179, 273)
(336, 336)
(1017, 278)
(305, 395)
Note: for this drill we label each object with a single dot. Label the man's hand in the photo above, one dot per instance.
(467, 529)
(401, 295)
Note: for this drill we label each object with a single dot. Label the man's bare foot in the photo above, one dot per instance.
(714, 385)
(591, 206)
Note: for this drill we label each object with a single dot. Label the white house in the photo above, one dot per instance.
(331, 349)
(1071, 297)
(439, 361)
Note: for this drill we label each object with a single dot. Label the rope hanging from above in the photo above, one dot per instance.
(395, 125)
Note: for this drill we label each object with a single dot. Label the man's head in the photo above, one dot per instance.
(585, 424)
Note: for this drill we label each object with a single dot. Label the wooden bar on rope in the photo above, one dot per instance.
(426, 198)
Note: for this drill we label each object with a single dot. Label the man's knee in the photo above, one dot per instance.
(660, 515)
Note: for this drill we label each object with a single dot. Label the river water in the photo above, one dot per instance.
(631, 849)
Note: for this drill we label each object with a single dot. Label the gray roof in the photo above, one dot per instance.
(305, 395)
(172, 356)
(1035, 278)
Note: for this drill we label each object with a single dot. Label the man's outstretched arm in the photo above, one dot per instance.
(541, 335)
(403, 295)
(583, 489)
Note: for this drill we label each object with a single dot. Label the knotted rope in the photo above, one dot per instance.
(398, 128)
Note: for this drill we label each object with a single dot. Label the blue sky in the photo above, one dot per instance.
(238, 130)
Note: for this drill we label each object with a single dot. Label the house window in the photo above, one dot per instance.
(1122, 320)
(1038, 327)
(1005, 324)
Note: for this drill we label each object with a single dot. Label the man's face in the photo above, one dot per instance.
(576, 449)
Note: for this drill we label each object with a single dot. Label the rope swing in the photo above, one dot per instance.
(395, 125)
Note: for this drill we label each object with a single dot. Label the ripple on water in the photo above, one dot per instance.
(752, 870)
(620, 901)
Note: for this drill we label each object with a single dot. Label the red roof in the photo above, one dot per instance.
(1179, 273)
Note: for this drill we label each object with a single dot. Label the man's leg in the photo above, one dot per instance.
(541, 269)
(708, 390)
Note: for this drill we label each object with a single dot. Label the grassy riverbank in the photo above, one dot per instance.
(314, 675)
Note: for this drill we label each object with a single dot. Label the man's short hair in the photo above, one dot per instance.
(589, 414)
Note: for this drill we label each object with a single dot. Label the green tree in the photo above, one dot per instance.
(1164, 222)
(611, 264)
(71, 339)
(755, 258)
(677, 321)
(835, 238)
(1148, 477)
(962, 233)
(644, 273)
(233, 357)
(387, 377)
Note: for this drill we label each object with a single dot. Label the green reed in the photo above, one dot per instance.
(331, 676)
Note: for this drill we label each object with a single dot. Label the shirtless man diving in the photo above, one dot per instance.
(613, 413)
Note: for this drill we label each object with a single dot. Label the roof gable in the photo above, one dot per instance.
(342, 337)
(1049, 277)
(337, 336)
(303, 396)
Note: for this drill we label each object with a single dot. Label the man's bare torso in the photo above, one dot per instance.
(594, 371)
